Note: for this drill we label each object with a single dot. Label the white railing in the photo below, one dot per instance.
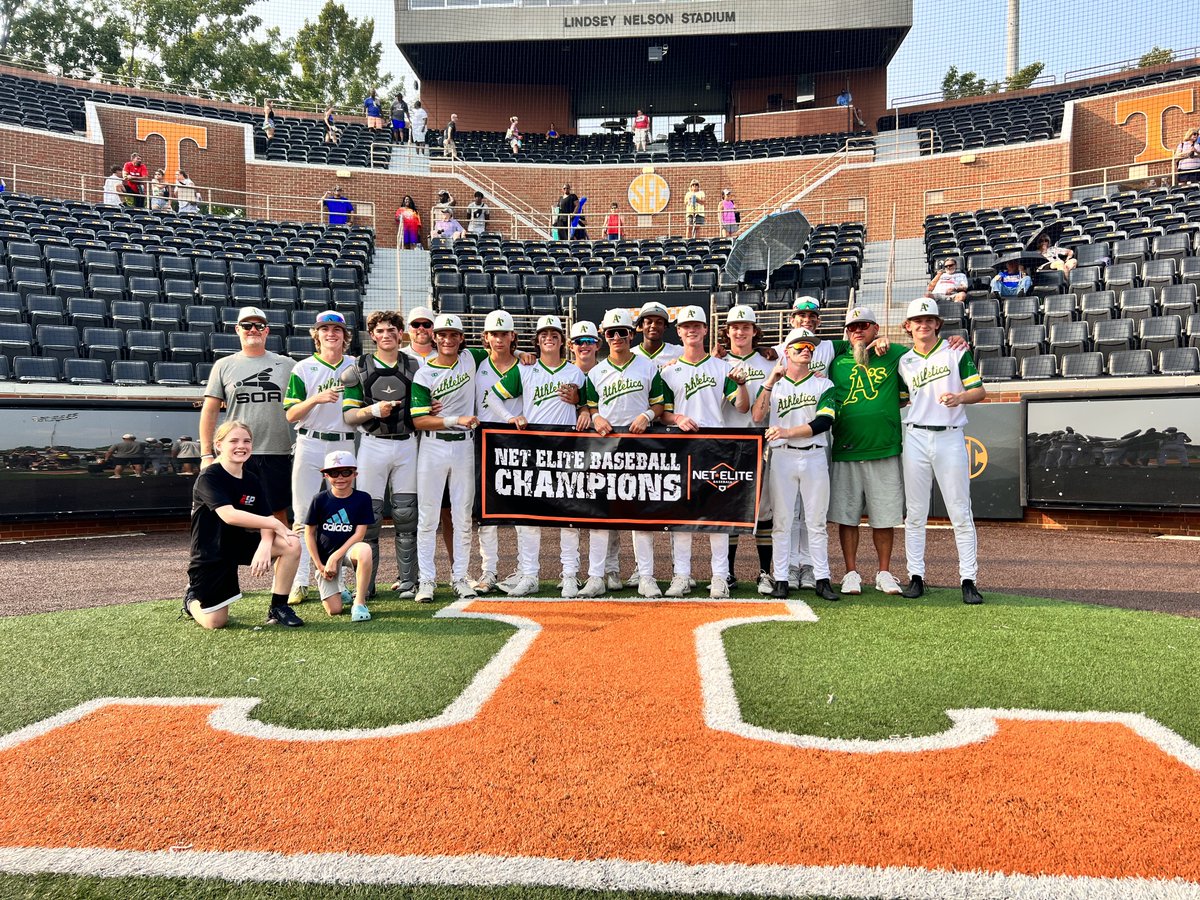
(853, 152)
(1130, 66)
(940, 96)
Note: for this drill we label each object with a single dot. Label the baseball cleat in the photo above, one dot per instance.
(718, 588)
(632, 581)
(971, 593)
(648, 587)
(680, 586)
(425, 592)
(613, 581)
(780, 590)
(486, 583)
(794, 578)
(404, 589)
(463, 588)
(825, 590)
(569, 586)
(594, 587)
(807, 578)
(915, 588)
(524, 586)
(766, 584)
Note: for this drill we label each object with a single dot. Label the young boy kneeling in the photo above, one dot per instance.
(334, 532)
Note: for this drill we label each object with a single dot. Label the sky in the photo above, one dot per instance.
(945, 33)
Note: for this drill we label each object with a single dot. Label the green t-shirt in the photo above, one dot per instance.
(868, 420)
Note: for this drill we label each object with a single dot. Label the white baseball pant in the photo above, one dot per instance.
(681, 553)
(438, 461)
(307, 459)
(643, 552)
(529, 550)
(803, 472)
(942, 455)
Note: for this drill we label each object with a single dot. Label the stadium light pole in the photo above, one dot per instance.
(1013, 60)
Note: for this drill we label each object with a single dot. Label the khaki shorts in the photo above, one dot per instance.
(874, 484)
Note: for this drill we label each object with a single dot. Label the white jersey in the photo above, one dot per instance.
(453, 386)
(621, 393)
(757, 367)
(488, 405)
(821, 358)
(537, 388)
(310, 377)
(927, 376)
(665, 354)
(798, 403)
(700, 391)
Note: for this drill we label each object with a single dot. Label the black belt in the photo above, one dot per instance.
(450, 436)
(389, 437)
(934, 427)
(327, 435)
(805, 447)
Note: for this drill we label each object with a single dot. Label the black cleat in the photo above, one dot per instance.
(825, 590)
(188, 597)
(971, 593)
(915, 588)
(283, 615)
(781, 590)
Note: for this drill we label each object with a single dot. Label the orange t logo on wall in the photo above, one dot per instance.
(1154, 109)
(173, 135)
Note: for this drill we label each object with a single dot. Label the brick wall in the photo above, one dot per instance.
(825, 120)
(1097, 141)
(487, 107)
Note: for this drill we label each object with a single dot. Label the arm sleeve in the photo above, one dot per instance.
(821, 424)
(510, 385)
(422, 401)
(967, 371)
(296, 392)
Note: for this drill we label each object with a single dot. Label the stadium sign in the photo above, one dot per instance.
(1154, 110)
(638, 20)
(173, 135)
(649, 194)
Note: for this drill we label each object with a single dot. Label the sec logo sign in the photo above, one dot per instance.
(649, 194)
(977, 456)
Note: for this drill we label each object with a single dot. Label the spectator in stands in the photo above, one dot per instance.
(1187, 158)
(399, 113)
(448, 227)
(513, 136)
(160, 194)
(579, 229)
(693, 208)
(565, 206)
(129, 451)
(729, 213)
(445, 203)
(948, 283)
(478, 214)
(1059, 258)
(641, 132)
(135, 177)
(373, 110)
(409, 221)
(269, 121)
(614, 224)
(1011, 281)
(332, 133)
(112, 187)
(418, 122)
(551, 133)
(338, 206)
(450, 137)
(186, 193)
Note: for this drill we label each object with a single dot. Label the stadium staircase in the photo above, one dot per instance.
(908, 282)
(407, 161)
(416, 286)
(893, 146)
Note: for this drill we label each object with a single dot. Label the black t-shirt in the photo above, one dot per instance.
(567, 203)
(216, 488)
(336, 518)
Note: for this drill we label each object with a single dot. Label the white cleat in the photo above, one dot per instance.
(613, 581)
(525, 586)
(648, 587)
(569, 586)
(594, 587)
(718, 588)
(425, 591)
(680, 586)
(463, 588)
(766, 584)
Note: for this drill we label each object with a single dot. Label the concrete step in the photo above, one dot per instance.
(381, 289)
(407, 161)
(896, 145)
(415, 285)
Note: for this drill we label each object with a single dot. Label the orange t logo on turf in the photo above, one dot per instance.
(173, 135)
(1154, 109)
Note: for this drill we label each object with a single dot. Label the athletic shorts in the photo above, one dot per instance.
(215, 584)
(328, 587)
(374, 122)
(876, 485)
(274, 472)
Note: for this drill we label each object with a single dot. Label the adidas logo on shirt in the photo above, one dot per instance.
(338, 522)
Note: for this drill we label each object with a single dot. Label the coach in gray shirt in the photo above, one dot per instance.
(251, 385)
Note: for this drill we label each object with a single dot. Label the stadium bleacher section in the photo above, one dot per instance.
(94, 293)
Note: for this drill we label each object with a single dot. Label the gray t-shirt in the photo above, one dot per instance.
(253, 388)
(125, 449)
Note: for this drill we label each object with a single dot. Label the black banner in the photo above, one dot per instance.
(644, 482)
(993, 437)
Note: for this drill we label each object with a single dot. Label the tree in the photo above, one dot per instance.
(338, 58)
(1024, 77)
(957, 85)
(1156, 57)
(76, 40)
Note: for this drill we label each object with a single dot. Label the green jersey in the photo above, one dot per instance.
(868, 420)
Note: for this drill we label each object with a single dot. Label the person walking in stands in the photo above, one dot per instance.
(232, 526)
(798, 407)
(566, 206)
(135, 176)
(268, 123)
(641, 132)
(186, 194)
(450, 138)
(332, 133)
(697, 389)
(374, 111)
(548, 392)
(614, 224)
(112, 187)
(409, 221)
(314, 405)
(478, 215)
(418, 123)
(513, 136)
(693, 208)
(339, 208)
(940, 381)
(399, 113)
(334, 528)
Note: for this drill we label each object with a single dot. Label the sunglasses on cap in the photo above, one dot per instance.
(618, 332)
(252, 326)
(331, 318)
(340, 473)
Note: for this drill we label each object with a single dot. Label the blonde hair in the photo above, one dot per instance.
(228, 426)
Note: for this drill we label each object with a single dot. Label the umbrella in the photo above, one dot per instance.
(694, 120)
(1030, 259)
(613, 125)
(768, 244)
(1053, 230)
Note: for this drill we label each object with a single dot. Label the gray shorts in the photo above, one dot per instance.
(874, 484)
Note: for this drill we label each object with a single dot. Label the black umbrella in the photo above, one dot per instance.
(694, 120)
(1052, 230)
(768, 244)
(1026, 258)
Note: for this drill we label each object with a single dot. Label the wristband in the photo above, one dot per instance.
(649, 414)
(451, 422)
(207, 456)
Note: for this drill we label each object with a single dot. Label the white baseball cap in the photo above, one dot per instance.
(618, 318)
(339, 459)
(499, 320)
(653, 308)
(741, 314)
(691, 314)
(922, 306)
(420, 314)
(803, 304)
(861, 314)
(448, 322)
(584, 329)
(550, 322)
(251, 312)
(801, 334)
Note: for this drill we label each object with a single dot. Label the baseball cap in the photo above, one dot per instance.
(251, 312)
(804, 304)
(584, 329)
(741, 314)
(861, 314)
(691, 314)
(447, 322)
(550, 322)
(617, 318)
(420, 314)
(127, 437)
(499, 320)
(339, 459)
(801, 334)
(653, 309)
(922, 306)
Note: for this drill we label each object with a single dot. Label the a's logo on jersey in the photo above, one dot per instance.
(258, 388)
(698, 382)
(864, 383)
(929, 375)
(977, 456)
(785, 405)
(722, 476)
(338, 522)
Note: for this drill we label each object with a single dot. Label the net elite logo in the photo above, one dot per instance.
(722, 476)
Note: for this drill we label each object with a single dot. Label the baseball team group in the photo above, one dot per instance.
(853, 427)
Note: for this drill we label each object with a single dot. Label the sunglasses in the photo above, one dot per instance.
(858, 326)
(253, 326)
(618, 333)
(340, 473)
(796, 348)
(420, 324)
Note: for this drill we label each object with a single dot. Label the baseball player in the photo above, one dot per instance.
(335, 527)
(376, 401)
(314, 405)
(940, 381)
(696, 391)
(445, 453)
(545, 392)
(652, 323)
(623, 391)
(798, 407)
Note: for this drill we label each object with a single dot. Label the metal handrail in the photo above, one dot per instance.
(791, 192)
(1125, 65)
(939, 96)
